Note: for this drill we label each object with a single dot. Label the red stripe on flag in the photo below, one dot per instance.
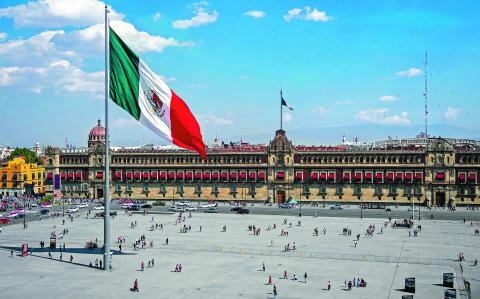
(185, 129)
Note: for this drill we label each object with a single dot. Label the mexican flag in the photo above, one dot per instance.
(143, 94)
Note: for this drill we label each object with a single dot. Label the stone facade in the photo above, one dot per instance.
(437, 174)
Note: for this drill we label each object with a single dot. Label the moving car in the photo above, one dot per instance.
(73, 210)
(46, 205)
(243, 211)
(183, 203)
(158, 203)
(191, 208)
(133, 208)
(336, 207)
(235, 209)
(99, 208)
(102, 214)
(211, 210)
(34, 205)
(44, 212)
(4, 221)
(175, 209)
(12, 215)
(82, 206)
(147, 206)
(285, 206)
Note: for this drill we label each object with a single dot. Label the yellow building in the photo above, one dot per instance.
(19, 177)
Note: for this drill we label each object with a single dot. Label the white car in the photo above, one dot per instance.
(175, 209)
(183, 203)
(12, 215)
(82, 206)
(34, 205)
(99, 208)
(73, 210)
(208, 205)
(191, 209)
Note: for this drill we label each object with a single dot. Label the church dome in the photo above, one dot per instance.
(97, 134)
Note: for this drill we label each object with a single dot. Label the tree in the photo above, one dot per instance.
(30, 157)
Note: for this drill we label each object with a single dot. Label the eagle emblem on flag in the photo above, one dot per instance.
(155, 103)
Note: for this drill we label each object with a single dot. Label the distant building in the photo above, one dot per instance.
(430, 171)
(19, 177)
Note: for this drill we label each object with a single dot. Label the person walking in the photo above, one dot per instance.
(166, 241)
(285, 276)
(274, 291)
(329, 285)
(305, 277)
(142, 266)
(135, 286)
(263, 266)
(71, 258)
(270, 279)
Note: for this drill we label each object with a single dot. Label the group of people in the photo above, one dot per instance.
(356, 282)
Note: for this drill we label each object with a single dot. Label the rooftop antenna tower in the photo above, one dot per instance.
(425, 94)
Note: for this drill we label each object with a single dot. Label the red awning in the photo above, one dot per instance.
(280, 175)
(323, 175)
(299, 176)
(171, 175)
(137, 175)
(198, 175)
(461, 177)
(154, 175)
(440, 176)
(418, 176)
(252, 176)
(399, 176)
(78, 175)
(390, 176)
(314, 176)
(408, 176)
(261, 176)
(331, 176)
(188, 175)
(99, 175)
(379, 176)
(128, 175)
(368, 175)
(49, 176)
(163, 175)
(145, 175)
(118, 175)
(206, 175)
(471, 176)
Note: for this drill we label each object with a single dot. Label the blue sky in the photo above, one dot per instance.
(339, 64)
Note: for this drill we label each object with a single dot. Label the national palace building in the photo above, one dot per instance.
(430, 171)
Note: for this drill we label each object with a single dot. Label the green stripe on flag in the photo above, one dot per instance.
(124, 75)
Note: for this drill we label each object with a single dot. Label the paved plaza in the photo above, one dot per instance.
(219, 264)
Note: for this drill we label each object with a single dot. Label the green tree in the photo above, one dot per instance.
(30, 157)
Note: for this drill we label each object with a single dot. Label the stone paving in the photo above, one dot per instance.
(228, 264)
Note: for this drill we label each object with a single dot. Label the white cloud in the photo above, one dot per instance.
(388, 98)
(451, 113)
(320, 110)
(257, 14)
(307, 14)
(411, 72)
(381, 116)
(197, 85)
(287, 117)
(122, 122)
(58, 13)
(212, 119)
(156, 17)
(201, 17)
(58, 76)
(3, 36)
(168, 79)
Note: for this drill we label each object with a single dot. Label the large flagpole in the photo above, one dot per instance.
(106, 193)
(281, 110)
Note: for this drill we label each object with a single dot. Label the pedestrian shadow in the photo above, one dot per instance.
(405, 291)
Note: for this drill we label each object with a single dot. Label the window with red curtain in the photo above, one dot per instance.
(440, 176)
(314, 176)
(408, 176)
(233, 175)
(299, 176)
(163, 175)
(346, 176)
(472, 177)
(198, 176)
(418, 176)
(99, 175)
(118, 175)
(206, 175)
(224, 176)
(399, 176)
(128, 175)
(280, 175)
(171, 175)
(180, 175)
(323, 176)
(261, 176)
(189, 175)
(137, 175)
(243, 176)
(216, 175)
(78, 175)
(252, 176)
(390, 176)
(154, 175)
(331, 176)
(145, 175)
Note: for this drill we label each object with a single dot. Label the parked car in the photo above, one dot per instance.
(82, 206)
(336, 207)
(191, 208)
(285, 206)
(99, 208)
(12, 215)
(211, 210)
(158, 203)
(183, 203)
(133, 208)
(147, 206)
(102, 214)
(235, 209)
(44, 212)
(243, 211)
(176, 209)
(34, 205)
(4, 221)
